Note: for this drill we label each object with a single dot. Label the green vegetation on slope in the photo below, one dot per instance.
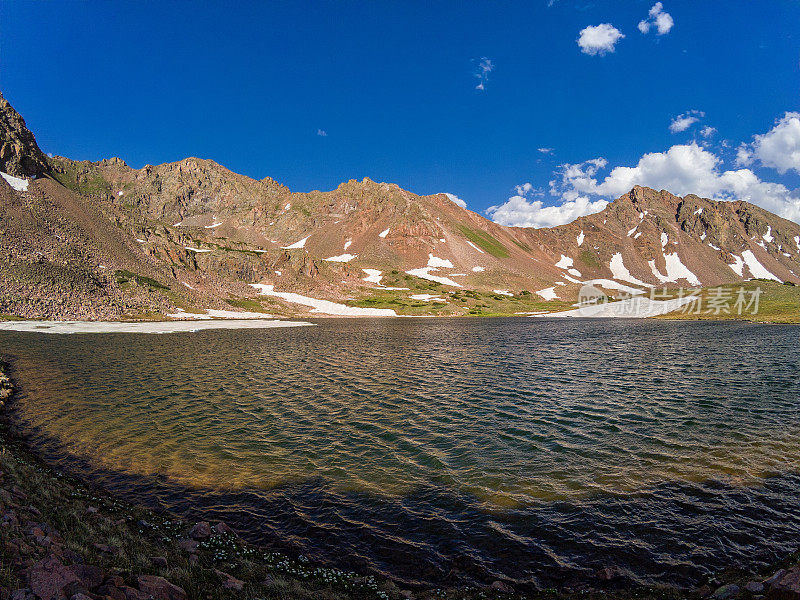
(777, 303)
(459, 302)
(86, 182)
(122, 276)
(484, 241)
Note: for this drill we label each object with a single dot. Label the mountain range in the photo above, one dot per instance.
(102, 240)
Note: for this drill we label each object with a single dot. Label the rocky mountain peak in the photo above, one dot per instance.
(19, 154)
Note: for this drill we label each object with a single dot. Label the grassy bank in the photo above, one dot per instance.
(777, 303)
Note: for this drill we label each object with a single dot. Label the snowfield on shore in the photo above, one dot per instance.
(65, 327)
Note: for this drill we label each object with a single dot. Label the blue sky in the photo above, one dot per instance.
(393, 86)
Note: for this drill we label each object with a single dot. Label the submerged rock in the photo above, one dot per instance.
(726, 592)
(502, 587)
(754, 587)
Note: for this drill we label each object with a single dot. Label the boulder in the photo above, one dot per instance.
(754, 587)
(607, 573)
(726, 592)
(88, 575)
(160, 589)
(784, 585)
(188, 545)
(222, 528)
(111, 591)
(200, 531)
(502, 587)
(48, 578)
(134, 594)
(229, 582)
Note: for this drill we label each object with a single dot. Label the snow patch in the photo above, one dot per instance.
(664, 239)
(630, 308)
(620, 271)
(699, 211)
(503, 292)
(572, 279)
(373, 275)
(152, 327)
(757, 270)
(580, 238)
(565, 262)
(384, 233)
(427, 298)
(324, 306)
(767, 237)
(347, 244)
(630, 232)
(574, 272)
(548, 293)
(474, 246)
(710, 245)
(703, 237)
(656, 272)
(343, 258)
(478, 269)
(677, 270)
(738, 265)
(21, 185)
(288, 206)
(797, 241)
(299, 244)
(140, 240)
(197, 250)
(638, 233)
(214, 225)
(436, 262)
(610, 284)
(424, 273)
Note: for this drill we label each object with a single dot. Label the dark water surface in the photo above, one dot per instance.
(444, 451)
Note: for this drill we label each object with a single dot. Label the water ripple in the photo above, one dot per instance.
(444, 451)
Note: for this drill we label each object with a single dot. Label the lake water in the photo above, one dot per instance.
(444, 451)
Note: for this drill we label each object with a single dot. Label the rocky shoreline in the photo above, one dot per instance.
(64, 541)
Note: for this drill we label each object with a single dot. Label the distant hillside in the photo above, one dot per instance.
(193, 235)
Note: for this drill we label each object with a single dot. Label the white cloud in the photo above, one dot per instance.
(456, 200)
(744, 156)
(485, 66)
(707, 131)
(545, 150)
(599, 39)
(683, 169)
(657, 18)
(779, 148)
(520, 211)
(322, 133)
(686, 120)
